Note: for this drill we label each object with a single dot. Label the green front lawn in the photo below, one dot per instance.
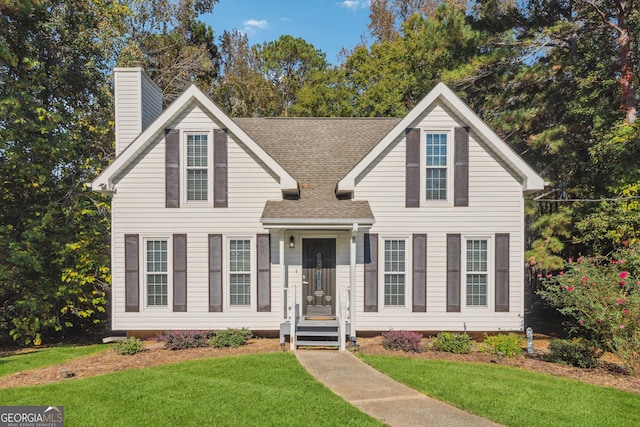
(265, 389)
(45, 357)
(512, 396)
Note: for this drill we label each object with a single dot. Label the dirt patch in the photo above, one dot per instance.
(609, 374)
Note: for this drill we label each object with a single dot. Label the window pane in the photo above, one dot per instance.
(197, 151)
(157, 256)
(197, 182)
(436, 184)
(477, 255)
(437, 149)
(239, 269)
(157, 289)
(394, 268)
(394, 289)
(436, 162)
(477, 290)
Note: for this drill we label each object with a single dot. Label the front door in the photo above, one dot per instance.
(319, 277)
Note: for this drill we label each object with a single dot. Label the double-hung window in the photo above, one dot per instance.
(240, 272)
(477, 275)
(436, 166)
(197, 168)
(157, 273)
(394, 272)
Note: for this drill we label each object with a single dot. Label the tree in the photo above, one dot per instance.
(287, 63)
(241, 90)
(177, 49)
(54, 136)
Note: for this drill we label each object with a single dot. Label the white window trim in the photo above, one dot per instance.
(143, 273)
(252, 269)
(183, 167)
(408, 269)
(490, 274)
(423, 167)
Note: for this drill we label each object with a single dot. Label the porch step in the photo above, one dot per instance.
(318, 333)
(318, 343)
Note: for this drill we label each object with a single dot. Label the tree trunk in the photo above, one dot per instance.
(626, 65)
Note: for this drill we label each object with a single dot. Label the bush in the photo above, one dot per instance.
(181, 340)
(603, 298)
(575, 352)
(402, 340)
(131, 345)
(230, 338)
(452, 343)
(503, 345)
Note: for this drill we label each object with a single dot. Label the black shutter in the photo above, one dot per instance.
(172, 168)
(179, 272)
(461, 167)
(370, 272)
(215, 272)
(454, 272)
(131, 272)
(502, 272)
(220, 168)
(419, 273)
(264, 272)
(412, 190)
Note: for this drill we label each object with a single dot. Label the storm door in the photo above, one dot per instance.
(319, 277)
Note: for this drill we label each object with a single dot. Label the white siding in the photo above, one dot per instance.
(495, 206)
(139, 208)
(138, 101)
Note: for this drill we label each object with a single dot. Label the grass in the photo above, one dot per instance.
(45, 357)
(512, 396)
(254, 390)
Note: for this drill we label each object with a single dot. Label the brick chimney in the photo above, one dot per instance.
(138, 102)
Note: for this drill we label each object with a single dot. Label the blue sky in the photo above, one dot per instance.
(329, 25)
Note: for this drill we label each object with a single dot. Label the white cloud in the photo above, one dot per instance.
(252, 25)
(354, 4)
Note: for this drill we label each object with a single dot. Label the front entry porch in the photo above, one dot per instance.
(319, 287)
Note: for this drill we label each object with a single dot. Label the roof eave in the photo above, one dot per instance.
(309, 223)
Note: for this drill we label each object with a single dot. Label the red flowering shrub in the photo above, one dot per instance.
(402, 340)
(603, 297)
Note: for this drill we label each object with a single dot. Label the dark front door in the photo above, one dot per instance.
(319, 276)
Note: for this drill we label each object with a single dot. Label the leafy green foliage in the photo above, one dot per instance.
(575, 352)
(406, 341)
(509, 345)
(130, 346)
(230, 338)
(603, 298)
(452, 343)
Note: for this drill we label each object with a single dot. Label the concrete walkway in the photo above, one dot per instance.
(380, 396)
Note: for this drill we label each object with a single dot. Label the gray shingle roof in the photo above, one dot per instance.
(317, 152)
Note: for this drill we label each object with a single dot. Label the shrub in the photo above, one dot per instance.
(503, 345)
(452, 343)
(402, 340)
(181, 340)
(603, 298)
(131, 345)
(575, 352)
(230, 338)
